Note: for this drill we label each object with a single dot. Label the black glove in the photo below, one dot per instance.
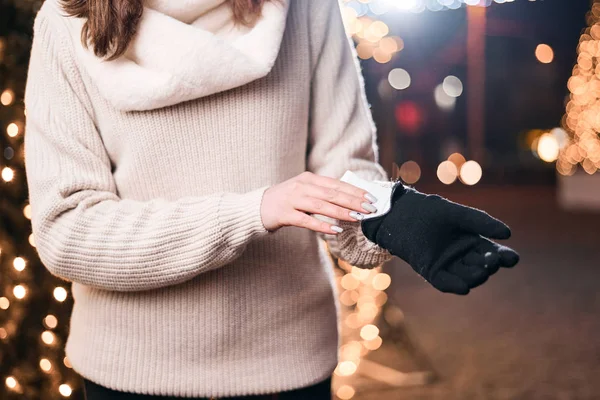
(443, 241)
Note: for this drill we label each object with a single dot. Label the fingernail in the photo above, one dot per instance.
(336, 228)
(356, 215)
(369, 207)
(371, 198)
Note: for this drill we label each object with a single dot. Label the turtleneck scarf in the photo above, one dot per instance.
(184, 50)
(215, 16)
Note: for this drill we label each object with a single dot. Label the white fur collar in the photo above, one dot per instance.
(170, 61)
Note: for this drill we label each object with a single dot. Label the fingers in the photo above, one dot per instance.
(335, 184)
(449, 283)
(477, 221)
(303, 220)
(331, 202)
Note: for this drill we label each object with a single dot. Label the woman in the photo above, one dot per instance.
(167, 143)
(147, 174)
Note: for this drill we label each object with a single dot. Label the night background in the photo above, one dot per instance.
(494, 107)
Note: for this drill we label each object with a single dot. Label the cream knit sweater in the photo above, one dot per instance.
(146, 176)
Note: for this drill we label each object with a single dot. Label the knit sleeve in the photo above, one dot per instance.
(84, 232)
(342, 131)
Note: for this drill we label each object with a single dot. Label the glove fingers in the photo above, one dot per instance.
(449, 283)
(497, 254)
(474, 258)
(472, 275)
(484, 257)
(508, 257)
(479, 222)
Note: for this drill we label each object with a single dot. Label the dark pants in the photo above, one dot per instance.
(318, 391)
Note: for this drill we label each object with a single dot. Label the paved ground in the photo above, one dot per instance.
(529, 333)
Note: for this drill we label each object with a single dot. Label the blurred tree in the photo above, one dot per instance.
(582, 121)
(34, 305)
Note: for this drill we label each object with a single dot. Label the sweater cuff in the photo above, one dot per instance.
(240, 216)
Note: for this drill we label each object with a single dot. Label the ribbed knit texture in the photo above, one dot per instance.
(155, 215)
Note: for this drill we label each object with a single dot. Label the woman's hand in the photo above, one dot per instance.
(289, 203)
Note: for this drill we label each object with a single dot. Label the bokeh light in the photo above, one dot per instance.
(399, 78)
(7, 174)
(7, 97)
(345, 392)
(452, 86)
(470, 173)
(442, 99)
(19, 263)
(544, 53)
(346, 368)
(369, 332)
(65, 390)
(410, 172)
(12, 129)
(60, 294)
(457, 159)
(20, 291)
(548, 147)
(447, 172)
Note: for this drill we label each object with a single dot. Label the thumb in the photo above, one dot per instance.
(477, 221)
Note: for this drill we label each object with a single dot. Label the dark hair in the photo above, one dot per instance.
(111, 24)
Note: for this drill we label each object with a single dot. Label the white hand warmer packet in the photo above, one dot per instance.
(382, 190)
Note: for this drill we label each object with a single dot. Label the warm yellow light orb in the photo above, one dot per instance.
(381, 56)
(47, 337)
(7, 174)
(65, 390)
(388, 44)
(544, 53)
(548, 147)
(4, 303)
(373, 344)
(60, 293)
(50, 321)
(12, 129)
(27, 211)
(19, 263)
(11, 382)
(19, 291)
(349, 282)
(345, 392)
(45, 365)
(346, 368)
(360, 273)
(7, 97)
(349, 297)
(458, 159)
(447, 172)
(369, 332)
(410, 172)
(470, 172)
(381, 281)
